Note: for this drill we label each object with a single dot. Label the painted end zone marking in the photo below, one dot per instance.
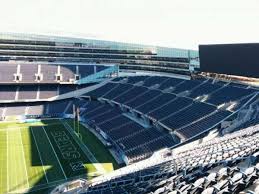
(85, 149)
(54, 152)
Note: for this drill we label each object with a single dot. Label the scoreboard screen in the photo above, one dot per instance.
(231, 59)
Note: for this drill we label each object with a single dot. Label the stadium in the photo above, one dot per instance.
(99, 117)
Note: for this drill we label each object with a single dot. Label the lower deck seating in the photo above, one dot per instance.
(47, 91)
(7, 92)
(58, 107)
(15, 110)
(26, 93)
(35, 109)
(228, 164)
(127, 134)
(170, 108)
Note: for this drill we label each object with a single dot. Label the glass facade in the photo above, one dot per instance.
(92, 43)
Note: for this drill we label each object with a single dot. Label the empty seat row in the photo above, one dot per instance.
(45, 73)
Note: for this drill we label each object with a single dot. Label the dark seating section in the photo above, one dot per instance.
(59, 106)
(7, 92)
(228, 164)
(217, 93)
(27, 92)
(155, 103)
(136, 79)
(143, 98)
(188, 115)
(125, 131)
(148, 148)
(95, 110)
(117, 79)
(186, 86)
(204, 89)
(202, 125)
(122, 130)
(227, 94)
(170, 108)
(64, 88)
(171, 82)
(131, 137)
(32, 92)
(118, 91)
(106, 115)
(153, 80)
(68, 72)
(101, 68)
(86, 70)
(99, 92)
(114, 123)
(130, 94)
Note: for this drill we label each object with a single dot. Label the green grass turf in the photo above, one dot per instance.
(27, 159)
(96, 146)
(3, 163)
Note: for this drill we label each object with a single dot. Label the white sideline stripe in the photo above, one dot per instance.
(39, 154)
(24, 158)
(12, 128)
(24, 127)
(91, 157)
(54, 152)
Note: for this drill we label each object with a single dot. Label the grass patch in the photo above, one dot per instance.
(27, 159)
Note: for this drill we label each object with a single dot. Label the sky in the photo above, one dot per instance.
(171, 23)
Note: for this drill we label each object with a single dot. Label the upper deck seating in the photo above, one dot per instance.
(49, 73)
(7, 72)
(227, 94)
(68, 72)
(28, 72)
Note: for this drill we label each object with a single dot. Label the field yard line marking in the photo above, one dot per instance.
(89, 154)
(7, 169)
(39, 154)
(11, 128)
(24, 159)
(54, 151)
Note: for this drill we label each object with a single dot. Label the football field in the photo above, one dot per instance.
(38, 156)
